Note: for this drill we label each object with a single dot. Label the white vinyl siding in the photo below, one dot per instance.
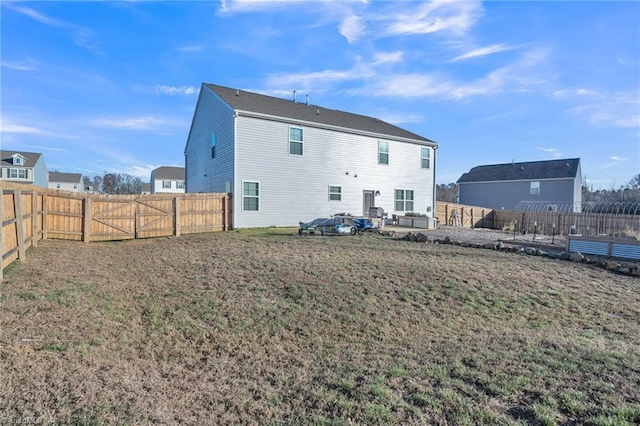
(296, 141)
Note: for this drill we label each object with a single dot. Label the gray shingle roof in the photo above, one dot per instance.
(65, 177)
(269, 105)
(551, 169)
(31, 158)
(168, 172)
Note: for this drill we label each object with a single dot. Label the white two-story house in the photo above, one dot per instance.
(285, 161)
(23, 167)
(66, 181)
(167, 179)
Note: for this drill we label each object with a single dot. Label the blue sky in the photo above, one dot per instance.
(112, 86)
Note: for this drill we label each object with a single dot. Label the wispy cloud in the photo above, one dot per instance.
(611, 111)
(483, 51)
(556, 153)
(172, 90)
(352, 28)
(456, 17)
(615, 158)
(190, 48)
(8, 127)
(27, 65)
(82, 36)
(136, 123)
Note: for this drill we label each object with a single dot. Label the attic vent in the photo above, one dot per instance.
(317, 112)
(521, 168)
(568, 165)
(237, 93)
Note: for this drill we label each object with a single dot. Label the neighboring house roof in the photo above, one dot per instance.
(552, 169)
(65, 177)
(145, 187)
(278, 107)
(31, 158)
(167, 172)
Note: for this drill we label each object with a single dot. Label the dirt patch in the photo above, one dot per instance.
(269, 327)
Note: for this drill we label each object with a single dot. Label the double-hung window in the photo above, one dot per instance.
(251, 196)
(17, 173)
(166, 184)
(535, 188)
(383, 152)
(296, 140)
(426, 157)
(180, 184)
(335, 193)
(404, 200)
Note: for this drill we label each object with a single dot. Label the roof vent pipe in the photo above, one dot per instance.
(307, 99)
(237, 93)
(294, 96)
(317, 112)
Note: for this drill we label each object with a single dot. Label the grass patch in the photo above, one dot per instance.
(264, 326)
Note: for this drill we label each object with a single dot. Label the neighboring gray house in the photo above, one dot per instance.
(145, 188)
(23, 167)
(547, 184)
(66, 181)
(286, 161)
(167, 179)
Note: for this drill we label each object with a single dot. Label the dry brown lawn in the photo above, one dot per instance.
(265, 327)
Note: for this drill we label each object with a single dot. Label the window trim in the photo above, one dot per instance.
(534, 188)
(294, 141)
(427, 157)
(404, 200)
(334, 193)
(250, 196)
(381, 152)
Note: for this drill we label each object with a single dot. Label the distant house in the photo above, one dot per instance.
(66, 181)
(167, 179)
(546, 185)
(286, 161)
(145, 188)
(90, 188)
(23, 167)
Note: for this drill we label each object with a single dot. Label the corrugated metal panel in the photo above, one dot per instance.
(626, 251)
(589, 247)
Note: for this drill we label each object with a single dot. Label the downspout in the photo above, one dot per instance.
(433, 208)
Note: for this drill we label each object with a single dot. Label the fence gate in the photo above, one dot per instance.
(155, 217)
(110, 219)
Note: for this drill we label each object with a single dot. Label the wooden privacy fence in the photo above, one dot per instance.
(30, 214)
(470, 216)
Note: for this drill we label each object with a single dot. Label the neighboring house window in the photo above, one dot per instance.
(17, 173)
(295, 140)
(250, 196)
(552, 207)
(57, 186)
(17, 160)
(180, 184)
(166, 184)
(75, 186)
(535, 188)
(426, 158)
(383, 152)
(213, 145)
(0, 172)
(335, 193)
(404, 200)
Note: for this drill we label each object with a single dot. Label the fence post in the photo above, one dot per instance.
(86, 224)
(176, 216)
(1, 230)
(34, 219)
(17, 194)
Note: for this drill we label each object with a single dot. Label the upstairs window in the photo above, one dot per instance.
(404, 200)
(383, 152)
(17, 173)
(57, 186)
(296, 141)
(250, 196)
(213, 145)
(17, 160)
(335, 193)
(426, 158)
(180, 184)
(166, 184)
(535, 188)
